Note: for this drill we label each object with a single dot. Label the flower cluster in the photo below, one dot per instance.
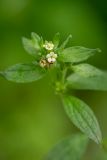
(48, 45)
(50, 57)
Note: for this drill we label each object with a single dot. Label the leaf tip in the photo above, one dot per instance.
(70, 36)
(33, 34)
(23, 39)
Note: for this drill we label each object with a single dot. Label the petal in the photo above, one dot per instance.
(53, 59)
(49, 60)
(48, 56)
(55, 56)
(52, 54)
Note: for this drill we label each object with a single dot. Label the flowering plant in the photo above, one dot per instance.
(67, 64)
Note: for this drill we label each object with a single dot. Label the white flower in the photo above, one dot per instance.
(48, 45)
(51, 57)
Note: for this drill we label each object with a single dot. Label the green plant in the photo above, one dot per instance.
(68, 71)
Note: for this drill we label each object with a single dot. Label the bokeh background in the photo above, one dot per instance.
(32, 118)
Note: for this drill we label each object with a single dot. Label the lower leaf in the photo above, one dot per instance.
(72, 147)
(83, 117)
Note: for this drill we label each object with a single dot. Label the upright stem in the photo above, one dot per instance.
(64, 72)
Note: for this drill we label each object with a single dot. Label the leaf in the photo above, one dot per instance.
(98, 82)
(56, 40)
(87, 77)
(35, 37)
(76, 54)
(86, 70)
(70, 148)
(37, 40)
(31, 46)
(65, 42)
(24, 73)
(82, 117)
(41, 42)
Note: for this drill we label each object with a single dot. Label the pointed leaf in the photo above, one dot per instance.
(31, 46)
(65, 42)
(24, 73)
(82, 117)
(35, 37)
(76, 54)
(92, 80)
(41, 42)
(87, 77)
(70, 148)
(38, 40)
(56, 40)
(86, 70)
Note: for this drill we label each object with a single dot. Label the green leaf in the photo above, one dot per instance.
(65, 42)
(41, 42)
(86, 70)
(37, 40)
(70, 148)
(32, 46)
(56, 40)
(24, 73)
(35, 37)
(76, 54)
(82, 117)
(86, 76)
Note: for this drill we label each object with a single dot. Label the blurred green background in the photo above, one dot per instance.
(32, 118)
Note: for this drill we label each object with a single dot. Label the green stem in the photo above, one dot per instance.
(64, 72)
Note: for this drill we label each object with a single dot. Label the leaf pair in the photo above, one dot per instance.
(83, 117)
(89, 77)
(56, 41)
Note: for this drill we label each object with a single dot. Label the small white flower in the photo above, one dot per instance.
(48, 45)
(51, 57)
